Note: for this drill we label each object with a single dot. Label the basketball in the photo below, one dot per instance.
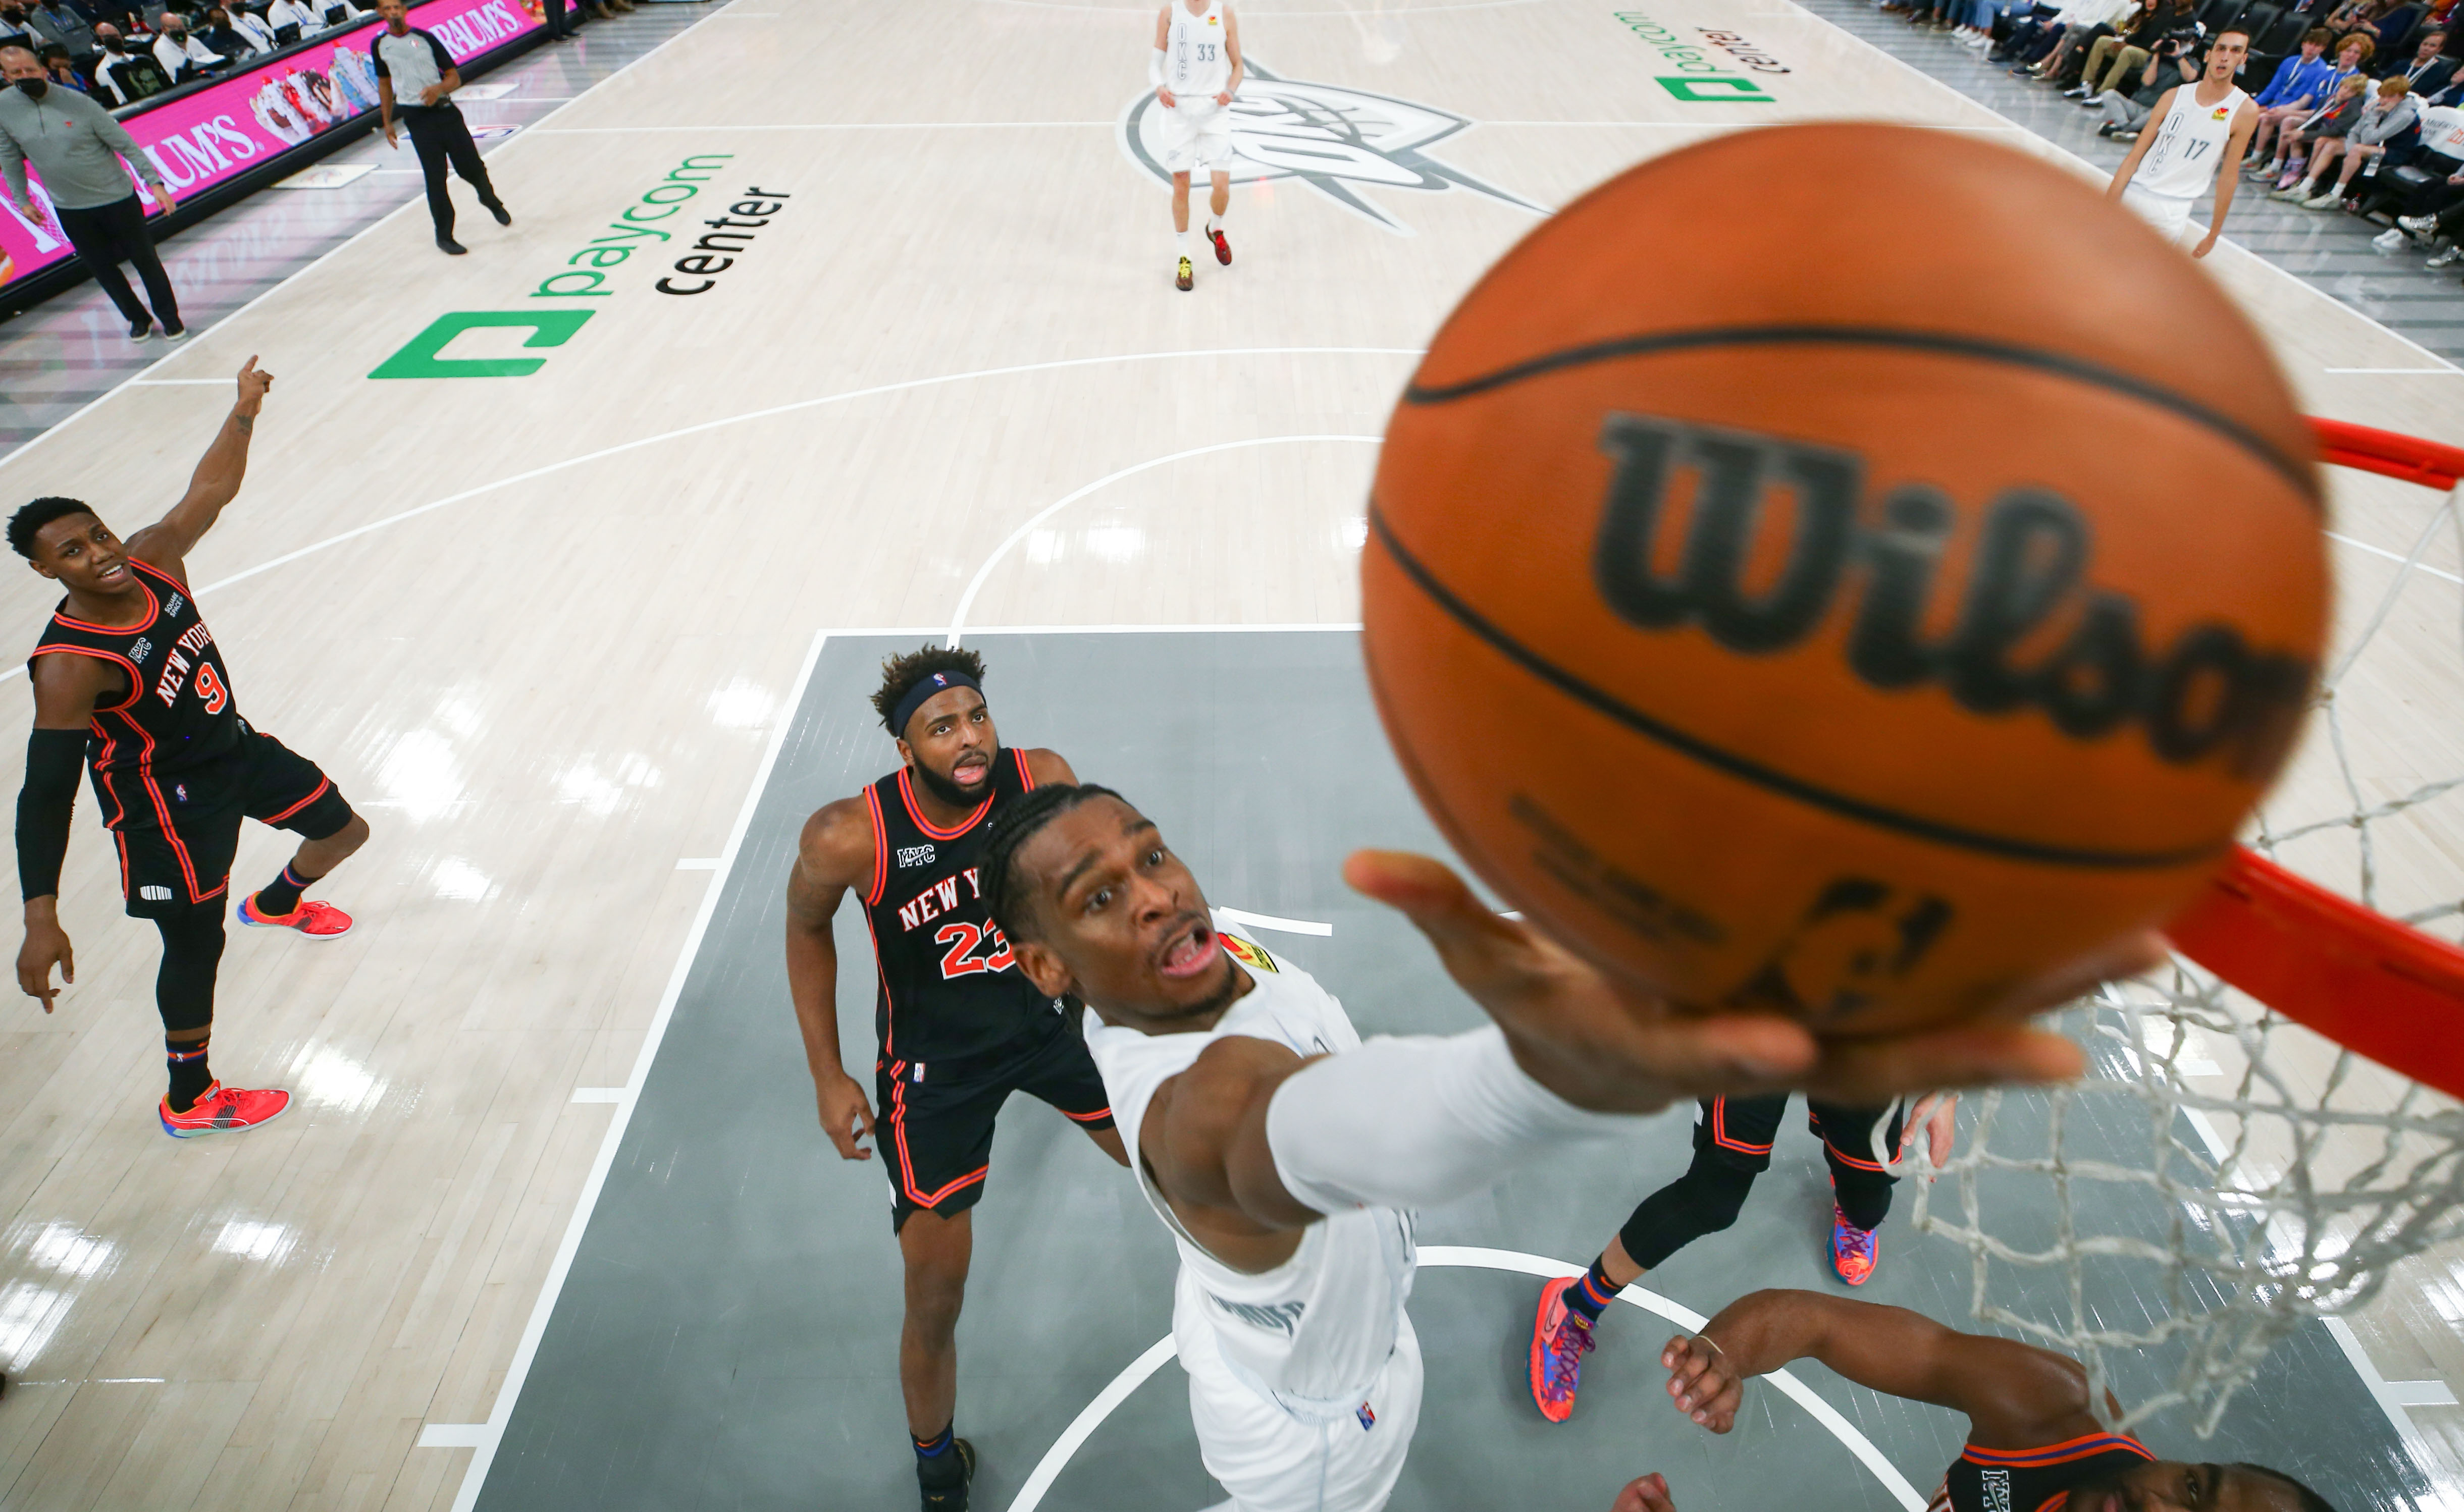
(1844, 571)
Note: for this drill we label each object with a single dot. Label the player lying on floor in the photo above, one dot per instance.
(2033, 1445)
(1284, 1154)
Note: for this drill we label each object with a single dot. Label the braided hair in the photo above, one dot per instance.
(1015, 823)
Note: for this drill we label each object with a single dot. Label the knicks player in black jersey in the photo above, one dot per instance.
(959, 1026)
(2032, 1444)
(128, 680)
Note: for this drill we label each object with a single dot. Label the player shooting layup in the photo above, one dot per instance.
(1283, 1154)
(1195, 70)
(128, 679)
(959, 1029)
(2033, 1445)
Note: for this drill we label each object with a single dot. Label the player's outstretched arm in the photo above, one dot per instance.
(833, 854)
(66, 690)
(1608, 1050)
(166, 543)
(2016, 1396)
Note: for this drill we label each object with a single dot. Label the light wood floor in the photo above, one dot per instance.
(556, 680)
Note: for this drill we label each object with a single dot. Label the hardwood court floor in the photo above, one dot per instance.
(541, 629)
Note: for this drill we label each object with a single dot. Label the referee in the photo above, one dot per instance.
(410, 61)
(79, 148)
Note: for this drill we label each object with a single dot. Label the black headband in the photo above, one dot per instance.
(922, 692)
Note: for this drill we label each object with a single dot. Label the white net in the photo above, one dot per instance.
(2224, 1175)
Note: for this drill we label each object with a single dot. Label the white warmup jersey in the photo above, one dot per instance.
(2182, 161)
(1197, 59)
(1304, 1380)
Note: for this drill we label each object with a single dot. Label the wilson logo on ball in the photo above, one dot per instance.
(2208, 692)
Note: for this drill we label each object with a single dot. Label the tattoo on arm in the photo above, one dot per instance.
(246, 423)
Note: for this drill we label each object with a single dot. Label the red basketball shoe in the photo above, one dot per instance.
(221, 1110)
(1222, 245)
(1560, 1338)
(319, 921)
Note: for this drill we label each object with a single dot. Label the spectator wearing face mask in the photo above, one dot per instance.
(122, 76)
(80, 151)
(62, 71)
(290, 13)
(182, 56)
(16, 28)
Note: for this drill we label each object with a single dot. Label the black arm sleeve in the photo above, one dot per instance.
(54, 760)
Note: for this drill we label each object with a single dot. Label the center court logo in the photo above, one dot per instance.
(1335, 140)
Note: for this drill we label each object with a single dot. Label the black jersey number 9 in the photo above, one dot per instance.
(210, 688)
(963, 940)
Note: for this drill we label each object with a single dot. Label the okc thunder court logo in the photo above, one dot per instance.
(1336, 140)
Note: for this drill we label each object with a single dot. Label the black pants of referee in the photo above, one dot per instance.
(107, 235)
(440, 136)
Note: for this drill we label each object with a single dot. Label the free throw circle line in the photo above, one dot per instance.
(975, 585)
(1080, 1428)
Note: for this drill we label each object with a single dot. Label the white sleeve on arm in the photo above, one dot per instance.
(1154, 67)
(1414, 1123)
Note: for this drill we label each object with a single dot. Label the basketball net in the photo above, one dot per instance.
(2269, 1125)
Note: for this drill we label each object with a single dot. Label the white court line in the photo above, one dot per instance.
(2392, 556)
(2106, 174)
(171, 383)
(1269, 921)
(827, 125)
(333, 251)
(724, 421)
(509, 1393)
(975, 585)
(697, 864)
(527, 1349)
(1476, 1258)
(451, 1436)
(2439, 372)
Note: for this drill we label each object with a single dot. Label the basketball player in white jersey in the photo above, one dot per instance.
(1195, 69)
(2194, 128)
(1284, 1154)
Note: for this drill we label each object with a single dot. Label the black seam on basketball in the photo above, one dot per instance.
(2301, 475)
(1750, 771)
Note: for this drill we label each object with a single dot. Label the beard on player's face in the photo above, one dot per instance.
(977, 765)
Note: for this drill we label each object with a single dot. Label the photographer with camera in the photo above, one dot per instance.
(2111, 59)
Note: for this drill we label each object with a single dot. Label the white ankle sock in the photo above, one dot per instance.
(1181, 240)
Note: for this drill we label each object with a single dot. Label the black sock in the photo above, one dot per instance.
(189, 1076)
(281, 895)
(1592, 1292)
(936, 1447)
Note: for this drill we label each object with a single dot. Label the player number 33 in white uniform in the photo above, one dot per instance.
(1194, 54)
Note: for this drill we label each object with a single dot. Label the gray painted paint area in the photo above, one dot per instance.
(728, 1334)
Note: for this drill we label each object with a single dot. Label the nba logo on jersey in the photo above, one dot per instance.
(1367, 1418)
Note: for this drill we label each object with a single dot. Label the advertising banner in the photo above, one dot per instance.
(255, 114)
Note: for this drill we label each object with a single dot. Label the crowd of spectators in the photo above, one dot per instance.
(2361, 106)
(123, 51)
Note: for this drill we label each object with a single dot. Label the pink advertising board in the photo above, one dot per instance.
(254, 115)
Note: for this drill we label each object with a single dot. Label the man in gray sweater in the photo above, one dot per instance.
(79, 148)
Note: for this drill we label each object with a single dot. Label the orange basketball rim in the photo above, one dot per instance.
(2373, 984)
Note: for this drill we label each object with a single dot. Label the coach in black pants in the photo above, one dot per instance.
(79, 148)
(414, 66)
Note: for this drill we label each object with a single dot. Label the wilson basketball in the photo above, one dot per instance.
(1844, 571)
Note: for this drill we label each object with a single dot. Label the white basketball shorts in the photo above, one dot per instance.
(2168, 213)
(1271, 1461)
(1196, 133)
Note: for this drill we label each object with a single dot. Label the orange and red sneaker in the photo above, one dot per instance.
(1560, 1338)
(319, 921)
(1853, 1249)
(1222, 245)
(221, 1110)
